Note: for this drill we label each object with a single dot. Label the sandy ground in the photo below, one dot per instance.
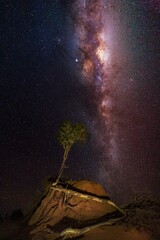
(115, 233)
(9, 231)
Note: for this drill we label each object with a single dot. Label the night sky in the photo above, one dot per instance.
(94, 62)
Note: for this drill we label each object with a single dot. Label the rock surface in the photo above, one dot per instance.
(75, 200)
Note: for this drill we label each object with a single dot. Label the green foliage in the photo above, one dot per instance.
(69, 134)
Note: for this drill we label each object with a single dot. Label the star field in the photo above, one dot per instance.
(44, 81)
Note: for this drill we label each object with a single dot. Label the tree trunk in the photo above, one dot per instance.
(65, 155)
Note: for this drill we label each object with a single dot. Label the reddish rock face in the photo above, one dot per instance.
(90, 187)
(77, 200)
(86, 209)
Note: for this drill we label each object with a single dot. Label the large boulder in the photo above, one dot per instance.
(89, 208)
(81, 200)
(90, 187)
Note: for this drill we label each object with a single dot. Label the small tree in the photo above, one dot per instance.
(69, 134)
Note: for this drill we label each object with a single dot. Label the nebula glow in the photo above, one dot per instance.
(95, 58)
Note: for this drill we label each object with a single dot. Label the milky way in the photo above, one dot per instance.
(93, 47)
(113, 64)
